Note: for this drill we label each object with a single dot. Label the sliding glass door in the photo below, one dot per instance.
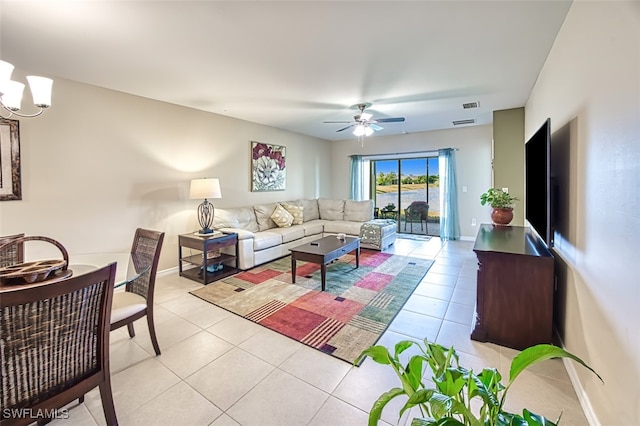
(408, 190)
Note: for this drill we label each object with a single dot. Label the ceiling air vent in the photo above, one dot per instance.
(470, 105)
(461, 122)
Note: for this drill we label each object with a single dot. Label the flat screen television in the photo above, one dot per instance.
(538, 182)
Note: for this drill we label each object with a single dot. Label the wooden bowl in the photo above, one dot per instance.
(31, 272)
(36, 271)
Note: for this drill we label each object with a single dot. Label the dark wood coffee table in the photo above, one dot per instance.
(324, 251)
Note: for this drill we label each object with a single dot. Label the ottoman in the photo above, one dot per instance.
(378, 234)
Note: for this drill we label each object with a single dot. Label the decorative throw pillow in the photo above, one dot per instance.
(282, 217)
(296, 211)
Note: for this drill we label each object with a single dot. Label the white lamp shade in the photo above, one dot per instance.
(359, 130)
(12, 97)
(205, 188)
(368, 131)
(5, 74)
(40, 90)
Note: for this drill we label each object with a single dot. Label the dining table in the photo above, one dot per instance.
(130, 266)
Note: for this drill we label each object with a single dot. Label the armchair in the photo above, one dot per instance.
(417, 211)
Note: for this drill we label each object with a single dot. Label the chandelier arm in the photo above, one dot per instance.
(16, 113)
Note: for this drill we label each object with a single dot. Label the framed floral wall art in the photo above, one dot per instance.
(268, 167)
(10, 185)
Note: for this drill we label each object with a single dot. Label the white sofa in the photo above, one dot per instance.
(260, 240)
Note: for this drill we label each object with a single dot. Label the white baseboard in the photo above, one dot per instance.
(585, 402)
(166, 272)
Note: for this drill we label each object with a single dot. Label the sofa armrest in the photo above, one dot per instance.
(243, 234)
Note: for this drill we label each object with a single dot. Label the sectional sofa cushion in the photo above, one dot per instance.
(263, 215)
(331, 209)
(314, 227)
(289, 234)
(342, 227)
(310, 209)
(358, 211)
(282, 217)
(266, 239)
(296, 211)
(242, 218)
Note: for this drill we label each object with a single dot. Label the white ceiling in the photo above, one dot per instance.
(294, 64)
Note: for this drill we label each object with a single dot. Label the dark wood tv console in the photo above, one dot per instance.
(514, 305)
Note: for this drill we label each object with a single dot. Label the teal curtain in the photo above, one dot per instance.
(357, 166)
(449, 219)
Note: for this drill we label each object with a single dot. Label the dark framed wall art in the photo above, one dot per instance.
(268, 167)
(10, 184)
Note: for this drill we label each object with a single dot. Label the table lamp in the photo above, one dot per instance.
(203, 189)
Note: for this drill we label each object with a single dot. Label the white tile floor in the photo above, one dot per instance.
(219, 369)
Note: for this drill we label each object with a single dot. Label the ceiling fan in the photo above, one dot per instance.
(363, 122)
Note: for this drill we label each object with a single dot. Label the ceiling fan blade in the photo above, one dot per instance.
(345, 128)
(333, 122)
(390, 120)
(375, 127)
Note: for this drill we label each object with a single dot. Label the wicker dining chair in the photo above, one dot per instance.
(55, 346)
(12, 254)
(137, 299)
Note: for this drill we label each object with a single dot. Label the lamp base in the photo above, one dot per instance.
(211, 233)
(205, 217)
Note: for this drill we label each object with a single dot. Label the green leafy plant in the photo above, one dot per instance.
(389, 207)
(449, 402)
(497, 198)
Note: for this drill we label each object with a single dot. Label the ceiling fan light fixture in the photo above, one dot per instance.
(362, 130)
(363, 123)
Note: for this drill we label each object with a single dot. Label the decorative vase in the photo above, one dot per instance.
(501, 216)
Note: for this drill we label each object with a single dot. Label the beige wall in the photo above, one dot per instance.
(99, 163)
(508, 156)
(473, 161)
(591, 80)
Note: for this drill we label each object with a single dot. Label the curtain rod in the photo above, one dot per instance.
(395, 154)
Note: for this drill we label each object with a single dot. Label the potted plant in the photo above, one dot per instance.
(460, 396)
(501, 205)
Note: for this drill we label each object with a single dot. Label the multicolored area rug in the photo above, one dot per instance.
(349, 316)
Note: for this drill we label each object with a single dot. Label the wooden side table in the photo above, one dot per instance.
(206, 246)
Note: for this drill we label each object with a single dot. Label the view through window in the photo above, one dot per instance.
(408, 190)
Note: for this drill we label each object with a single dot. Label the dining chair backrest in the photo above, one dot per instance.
(55, 345)
(146, 248)
(13, 254)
